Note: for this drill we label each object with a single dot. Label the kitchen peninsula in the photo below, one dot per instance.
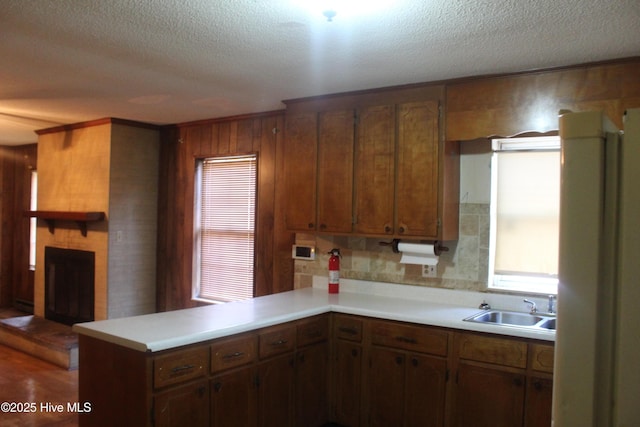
(299, 357)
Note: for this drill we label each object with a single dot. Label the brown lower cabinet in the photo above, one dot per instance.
(185, 405)
(408, 363)
(233, 399)
(346, 369)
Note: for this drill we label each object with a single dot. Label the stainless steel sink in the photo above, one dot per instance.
(514, 318)
(549, 324)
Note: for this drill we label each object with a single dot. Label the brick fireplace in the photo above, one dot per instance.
(68, 285)
(108, 166)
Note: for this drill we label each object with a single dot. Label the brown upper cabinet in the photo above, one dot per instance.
(301, 159)
(371, 165)
(335, 171)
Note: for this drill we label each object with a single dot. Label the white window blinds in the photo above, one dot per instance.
(224, 226)
(525, 213)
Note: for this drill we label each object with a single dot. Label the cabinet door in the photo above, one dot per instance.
(348, 376)
(335, 171)
(425, 391)
(418, 174)
(275, 392)
(386, 387)
(487, 397)
(374, 170)
(312, 378)
(539, 402)
(233, 399)
(183, 406)
(300, 162)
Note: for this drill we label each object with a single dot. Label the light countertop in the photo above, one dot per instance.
(436, 307)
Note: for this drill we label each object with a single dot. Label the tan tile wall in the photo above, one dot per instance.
(464, 266)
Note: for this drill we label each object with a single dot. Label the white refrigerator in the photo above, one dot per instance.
(597, 357)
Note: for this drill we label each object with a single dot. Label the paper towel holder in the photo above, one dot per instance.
(393, 244)
(438, 248)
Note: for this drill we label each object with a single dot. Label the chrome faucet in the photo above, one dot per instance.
(551, 307)
(534, 309)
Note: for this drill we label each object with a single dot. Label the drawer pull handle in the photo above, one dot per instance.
(233, 355)
(180, 369)
(346, 330)
(407, 340)
(279, 342)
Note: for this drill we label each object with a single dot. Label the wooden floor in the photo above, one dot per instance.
(25, 380)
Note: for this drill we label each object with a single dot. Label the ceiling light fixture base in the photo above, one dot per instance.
(329, 14)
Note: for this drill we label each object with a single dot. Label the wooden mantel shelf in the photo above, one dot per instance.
(81, 218)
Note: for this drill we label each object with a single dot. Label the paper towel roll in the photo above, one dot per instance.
(418, 253)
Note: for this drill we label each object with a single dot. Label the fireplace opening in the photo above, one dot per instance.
(69, 285)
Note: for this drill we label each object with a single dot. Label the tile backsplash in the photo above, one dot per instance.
(465, 266)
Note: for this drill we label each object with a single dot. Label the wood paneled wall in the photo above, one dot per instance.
(181, 146)
(16, 280)
(508, 105)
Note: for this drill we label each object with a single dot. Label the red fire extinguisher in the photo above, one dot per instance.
(334, 271)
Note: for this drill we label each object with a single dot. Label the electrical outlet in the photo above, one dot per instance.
(429, 271)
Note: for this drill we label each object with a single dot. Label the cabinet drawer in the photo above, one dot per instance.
(179, 366)
(228, 354)
(501, 351)
(413, 338)
(315, 329)
(347, 327)
(542, 357)
(276, 340)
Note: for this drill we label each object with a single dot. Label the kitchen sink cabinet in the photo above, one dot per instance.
(539, 395)
(538, 403)
(488, 397)
(501, 381)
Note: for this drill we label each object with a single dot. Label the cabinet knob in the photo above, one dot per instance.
(217, 386)
(414, 362)
(310, 225)
(354, 352)
(401, 229)
(399, 360)
(323, 226)
(202, 391)
(387, 229)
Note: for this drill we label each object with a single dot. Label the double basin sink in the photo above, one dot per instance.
(514, 318)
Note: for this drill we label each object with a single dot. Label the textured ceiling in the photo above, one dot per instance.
(173, 61)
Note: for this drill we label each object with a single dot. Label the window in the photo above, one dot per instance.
(525, 204)
(225, 228)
